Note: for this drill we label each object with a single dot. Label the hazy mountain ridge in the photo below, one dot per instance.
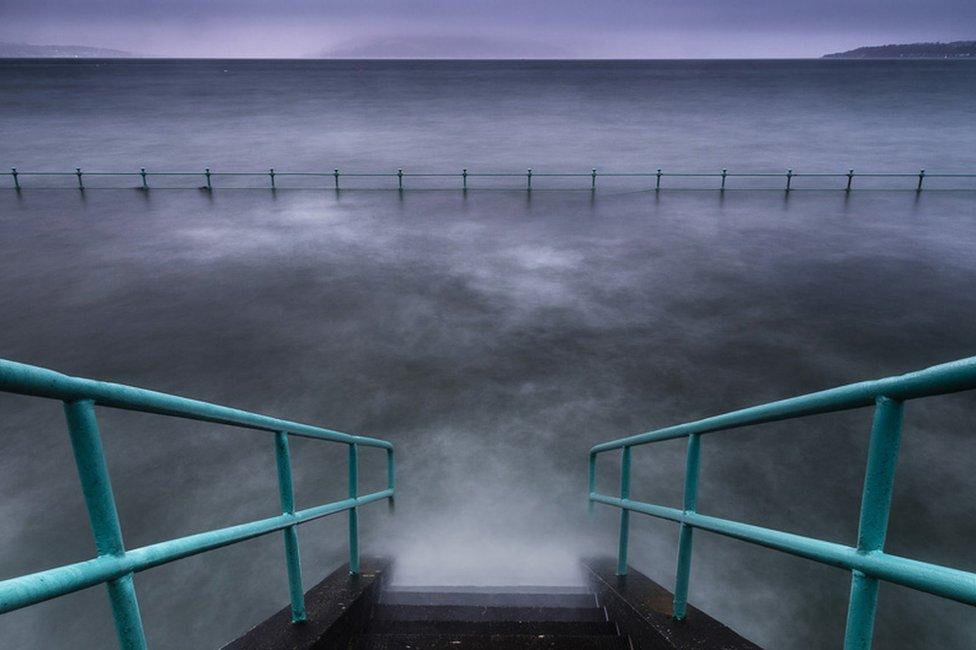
(26, 51)
(953, 50)
(444, 47)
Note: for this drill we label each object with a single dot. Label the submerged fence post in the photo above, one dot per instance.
(879, 479)
(13, 172)
(591, 483)
(683, 573)
(353, 511)
(593, 180)
(142, 172)
(86, 444)
(400, 179)
(725, 173)
(528, 180)
(335, 173)
(624, 513)
(81, 185)
(272, 175)
(464, 178)
(789, 179)
(850, 180)
(657, 185)
(286, 492)
(921, 175)
(206, 173)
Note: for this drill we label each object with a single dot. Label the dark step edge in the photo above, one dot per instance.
(495, 599)
(486, 642)
(473, 614)
(551, 628)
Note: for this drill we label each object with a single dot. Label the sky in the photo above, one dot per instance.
(495, 29)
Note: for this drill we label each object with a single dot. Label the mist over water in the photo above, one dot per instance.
(493, 336)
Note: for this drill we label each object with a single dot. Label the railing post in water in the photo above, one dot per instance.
(789, 179)
(391, 476)
(725, 173)
(685, 536)
(272, 175)
(100, 502)
(354, 511)
(921, 176)
(850, 180)
(464, 178)
(81, 186)
(13, 172)
(206, 173)
(593, 180)
(657, 185)
(528, 180)
(879, 480)
(400, 179)
(142, 172)
(335, 173)
(286, 492)
(624, 513)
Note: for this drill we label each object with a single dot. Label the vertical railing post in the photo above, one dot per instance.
(286, 492)
(271, 173)
(528, 180)
(591, 483)
(683, 572)
(81, 185)
(206, 173)
(464, 178)
(850, 180)
(789, 179)
(86, 445)
(725, 173)
(142, 173)
(624, 513)
(921, 176)
(879, 481)
(391, 476)
(657, 184)
(335, 173)
(13, 172)
(400, 179)
(593, 180)
(353, 511)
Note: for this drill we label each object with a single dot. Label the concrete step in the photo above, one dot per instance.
(489, 598)
(470, 613)
(486, 642)
(489, 628)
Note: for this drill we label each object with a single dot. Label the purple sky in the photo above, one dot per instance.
(495, 28)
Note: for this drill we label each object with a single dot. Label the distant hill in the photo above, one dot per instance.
(953, 50)
(25, 51)
(444, 47)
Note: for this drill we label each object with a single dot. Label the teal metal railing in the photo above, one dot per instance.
(114, 564)
(867, 562)
(914, 180)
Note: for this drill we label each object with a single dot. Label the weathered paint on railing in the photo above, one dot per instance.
(115, 565)
(867, 561)
(464, 175)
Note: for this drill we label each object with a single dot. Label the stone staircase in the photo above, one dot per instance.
(435, 618)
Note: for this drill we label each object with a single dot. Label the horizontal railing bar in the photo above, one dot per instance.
(931, 578)
(40, 382)
(945, 378)
(34, 588)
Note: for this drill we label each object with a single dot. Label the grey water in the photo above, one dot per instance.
(493, 335)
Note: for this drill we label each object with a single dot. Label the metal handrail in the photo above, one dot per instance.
(115, 565)
(867, 562)
(272, 174)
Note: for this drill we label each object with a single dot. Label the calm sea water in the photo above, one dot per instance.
(493, 335)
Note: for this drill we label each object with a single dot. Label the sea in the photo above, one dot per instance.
(493, 335)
